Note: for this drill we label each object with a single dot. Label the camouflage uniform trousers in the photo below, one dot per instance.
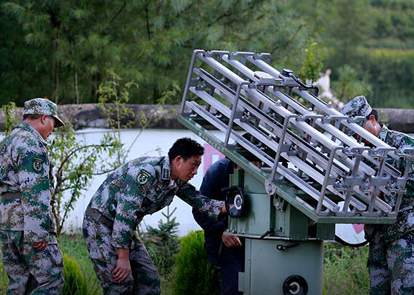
(391, 266)
(30, 270)
(144, 279)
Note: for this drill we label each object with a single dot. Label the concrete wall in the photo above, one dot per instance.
(91, 116)
(398, 119)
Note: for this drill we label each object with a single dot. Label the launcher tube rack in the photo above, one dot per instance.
(310, 157)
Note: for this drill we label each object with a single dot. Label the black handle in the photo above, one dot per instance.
(285, 247)
(268, 232)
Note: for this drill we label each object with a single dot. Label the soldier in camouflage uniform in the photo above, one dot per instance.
(31, 257)
(140, 187)
(391, 247)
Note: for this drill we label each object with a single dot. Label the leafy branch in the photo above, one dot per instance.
(8, 110)
(119, 116)
(77, 164)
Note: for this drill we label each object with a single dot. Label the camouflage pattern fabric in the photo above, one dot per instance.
(405, 218)
(140, 187)
(42, 106)
(25, 215)
(31, 271)
(144, 278)
(391, 252)
(391, 266)
(358, 106)
(25, 168)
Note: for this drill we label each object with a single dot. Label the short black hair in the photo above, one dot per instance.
(186, 148)
(374, 112)
(32, 116)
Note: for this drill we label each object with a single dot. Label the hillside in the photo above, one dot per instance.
(67, 51)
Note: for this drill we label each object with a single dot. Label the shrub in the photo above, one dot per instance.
(194, 274)
(4, 280)
(75, 281)
(74, 246)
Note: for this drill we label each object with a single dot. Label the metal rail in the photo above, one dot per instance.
(304, 144)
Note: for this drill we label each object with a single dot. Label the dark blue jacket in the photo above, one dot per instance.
(216, 178)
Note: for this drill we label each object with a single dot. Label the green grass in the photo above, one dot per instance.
(345, 271)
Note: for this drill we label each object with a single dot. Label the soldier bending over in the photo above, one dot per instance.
(391, 247)
(140, 187)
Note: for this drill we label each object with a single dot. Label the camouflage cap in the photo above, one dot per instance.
(42, 106)
(359, 106)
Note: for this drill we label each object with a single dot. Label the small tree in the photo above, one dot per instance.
(119, 116)
(313, 57)
(162, 243)
(76, 164)
(349, 84)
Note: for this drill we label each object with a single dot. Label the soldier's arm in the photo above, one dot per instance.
(125, 222)
(208, 224)
(33, 174)
(199, 202)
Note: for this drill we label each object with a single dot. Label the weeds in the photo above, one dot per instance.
(345, 271)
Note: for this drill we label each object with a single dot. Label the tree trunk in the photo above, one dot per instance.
(76, 87)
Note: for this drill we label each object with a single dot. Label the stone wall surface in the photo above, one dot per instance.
(398, 119)
(91, 116)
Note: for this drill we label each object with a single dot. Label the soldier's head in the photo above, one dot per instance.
(372, 124)
(359, 106)
(185, 157)
(41, 114)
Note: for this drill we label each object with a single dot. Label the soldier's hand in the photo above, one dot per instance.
(40, 245)
(231, 241)
(122, 269)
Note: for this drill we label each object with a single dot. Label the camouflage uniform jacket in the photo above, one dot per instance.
(405, 218)
(25, 169)
(140, 187)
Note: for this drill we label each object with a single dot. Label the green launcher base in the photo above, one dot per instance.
(274, 267)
